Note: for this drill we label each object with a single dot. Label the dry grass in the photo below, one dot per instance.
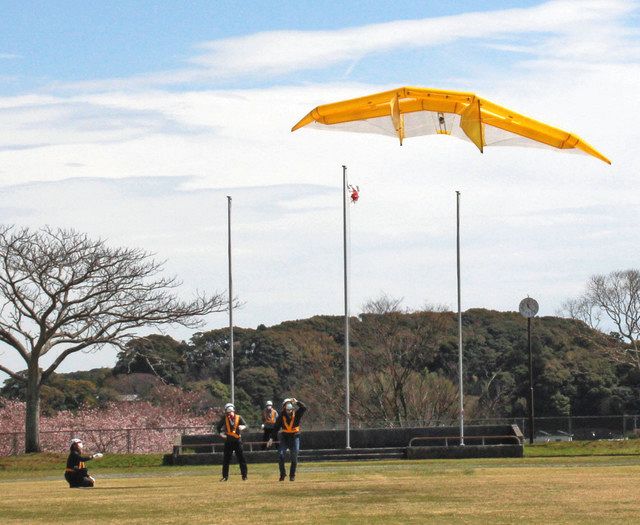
(539, 490)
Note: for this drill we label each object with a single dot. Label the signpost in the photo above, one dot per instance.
(528, 309)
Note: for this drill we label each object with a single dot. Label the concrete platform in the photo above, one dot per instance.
(271, 456)
(370, 444)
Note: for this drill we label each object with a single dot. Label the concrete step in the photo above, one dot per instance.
(351, 454)
(271, 456)
(354, 457)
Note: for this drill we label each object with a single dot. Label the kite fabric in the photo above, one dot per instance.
(411, 112)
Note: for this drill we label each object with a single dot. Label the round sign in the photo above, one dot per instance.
(528, 307)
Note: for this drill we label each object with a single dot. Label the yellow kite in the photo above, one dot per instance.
(412, 112)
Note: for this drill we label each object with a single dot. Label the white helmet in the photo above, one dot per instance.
(229, 407)
(74, 441)
(269, 403)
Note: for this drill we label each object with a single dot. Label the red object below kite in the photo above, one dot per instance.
(354, 193)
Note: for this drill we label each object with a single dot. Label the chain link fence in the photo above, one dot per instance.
(577, 427)
(111, 440)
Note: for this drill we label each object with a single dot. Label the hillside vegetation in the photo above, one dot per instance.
(403, 369)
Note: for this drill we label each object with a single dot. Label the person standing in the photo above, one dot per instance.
(76, 472)
(229, 428)
(269, 416)
(289, 422)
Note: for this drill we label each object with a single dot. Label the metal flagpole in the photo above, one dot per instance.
(459, 321)
(346, 306)
(231, 369)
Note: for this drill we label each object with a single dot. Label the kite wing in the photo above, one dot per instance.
(411, 112)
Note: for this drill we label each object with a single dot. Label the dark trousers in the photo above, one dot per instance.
(266, 435)
(291, 442)
(229, 448)
(78, 479)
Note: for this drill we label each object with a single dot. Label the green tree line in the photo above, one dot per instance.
(403, 368)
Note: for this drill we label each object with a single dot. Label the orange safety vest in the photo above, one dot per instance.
(233, 432)
(81, 465)
(288, 428)
(270, 417)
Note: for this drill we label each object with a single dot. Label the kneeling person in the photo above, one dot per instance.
(229, 428)
(76, 472)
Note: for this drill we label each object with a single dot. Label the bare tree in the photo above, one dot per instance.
(618, 296)
(583, 309)
(615, 296)
(395, 385)
(384, 305)
(61, 292)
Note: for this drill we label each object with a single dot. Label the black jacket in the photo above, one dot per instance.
(297, 416)
(222, 427)
(76, 463)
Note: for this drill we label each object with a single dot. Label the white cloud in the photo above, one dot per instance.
(573, 30)
(282, 51)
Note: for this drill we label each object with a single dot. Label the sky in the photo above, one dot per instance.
(133, 121)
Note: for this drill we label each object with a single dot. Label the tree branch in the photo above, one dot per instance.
(6, 337)
(13, 374)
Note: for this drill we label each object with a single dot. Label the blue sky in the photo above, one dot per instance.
(132, 121)
(74, 39)
(44, 43)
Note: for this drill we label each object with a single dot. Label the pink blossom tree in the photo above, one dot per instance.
(123, 426)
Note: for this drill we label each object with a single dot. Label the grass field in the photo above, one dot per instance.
(596, 489)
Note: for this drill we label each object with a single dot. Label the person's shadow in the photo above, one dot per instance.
(133, 487)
